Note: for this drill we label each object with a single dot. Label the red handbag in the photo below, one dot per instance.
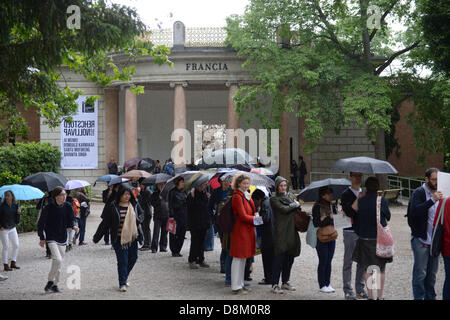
(171, 225)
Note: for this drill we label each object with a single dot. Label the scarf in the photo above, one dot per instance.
(129, 229)
(247, 194)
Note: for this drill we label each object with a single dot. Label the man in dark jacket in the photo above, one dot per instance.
(302, 172)
(262, 204)
(198, 223)
(160, 217)
(421, 211)
(177, 211)
(144, 201)
(350, 238)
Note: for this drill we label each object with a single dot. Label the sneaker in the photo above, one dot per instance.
(248, 289)
(3, 277)
(55, 289)
(82, 243)
(239, 291)
(123, 289)
(128, 284)
(325, 290)
(287, 286)
(48, 287)
(264, 282)
(331, 288)
(193, 265)
(362, 295)
(204, 265)
(350, 296)
(277, 290)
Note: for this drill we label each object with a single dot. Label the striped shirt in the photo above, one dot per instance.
(123, 213)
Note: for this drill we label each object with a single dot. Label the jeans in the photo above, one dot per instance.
(159, 229)
(126, 259)
(325, 252)
(82, 226)
(176, 240)
(282, 265)
(209, 239)
(197, 250)
(424, 271)
(350, 239)
(228, 261)
(446, 290)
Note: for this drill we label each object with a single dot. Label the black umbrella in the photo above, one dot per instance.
(45, 181)
(157, 178)
(364, 165)
(131, 163)
(117, 181)
(311, 192)
(202, 179)
(147, 164)
(170, 183)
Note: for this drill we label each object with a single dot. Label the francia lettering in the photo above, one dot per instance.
(208, 66)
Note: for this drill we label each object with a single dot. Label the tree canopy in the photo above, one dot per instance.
(327, 61)
(37, 37)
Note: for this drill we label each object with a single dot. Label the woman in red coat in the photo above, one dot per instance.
(243, 235)
(445, 245)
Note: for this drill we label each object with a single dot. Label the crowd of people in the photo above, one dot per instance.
(263, 220)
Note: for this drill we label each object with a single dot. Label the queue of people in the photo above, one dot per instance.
(267, 214)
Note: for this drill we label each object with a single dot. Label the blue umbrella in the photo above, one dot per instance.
(22, 192)
(106, 178)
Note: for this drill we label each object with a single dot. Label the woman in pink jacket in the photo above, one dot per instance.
(243, 236)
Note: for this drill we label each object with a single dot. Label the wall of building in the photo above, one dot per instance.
(405, 158)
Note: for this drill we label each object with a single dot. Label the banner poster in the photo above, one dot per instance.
(79, 139)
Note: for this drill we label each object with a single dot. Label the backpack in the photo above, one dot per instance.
(76, 207)
(226, 217)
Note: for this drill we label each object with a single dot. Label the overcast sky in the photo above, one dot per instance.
(193, 13)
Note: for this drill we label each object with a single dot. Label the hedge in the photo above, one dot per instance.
(28, 158)
(28, 217)
(6, 177)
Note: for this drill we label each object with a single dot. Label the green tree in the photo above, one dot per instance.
(37, 37)
(329, 66)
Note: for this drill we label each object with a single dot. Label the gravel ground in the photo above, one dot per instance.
(160, 276)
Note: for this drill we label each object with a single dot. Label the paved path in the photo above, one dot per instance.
(160, 276)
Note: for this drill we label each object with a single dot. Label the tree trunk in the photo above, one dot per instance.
(380, 153)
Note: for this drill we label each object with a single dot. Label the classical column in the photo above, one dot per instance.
(179, 119)
(131, 150)
(233, 118)
(111, 124)
(302, 141)
(284, 166)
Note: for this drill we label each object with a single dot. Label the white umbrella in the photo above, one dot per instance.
(75, 184)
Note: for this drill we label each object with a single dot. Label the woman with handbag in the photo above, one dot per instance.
(365, 226)
(322, 214)
(286, 241)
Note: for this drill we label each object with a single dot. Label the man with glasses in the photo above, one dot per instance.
(350, 238)
(421, 211)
